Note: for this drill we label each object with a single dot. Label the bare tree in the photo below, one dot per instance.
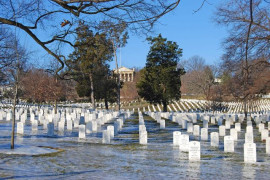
(248, 44)
(61, 17)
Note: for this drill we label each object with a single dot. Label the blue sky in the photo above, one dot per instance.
(195, 33)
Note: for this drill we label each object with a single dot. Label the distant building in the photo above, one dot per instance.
(126, 74)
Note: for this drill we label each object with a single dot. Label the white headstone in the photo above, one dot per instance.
(20, 128)
(143, 137)
(248, 137)
(184, 142)
(111, 130)
(267, 145)
(82, 131)
(106, 137)
(69, 125)
(250, 153)
(176, 138)
(205, 124)
(234, 134)
(227, 124)
(196, 130)
(214, 139)
(162, 124)
(238, 127)
(194, 153)
(264, 134)
(228, 144)
(34, 125)
(222, 130)
(204, 134)
(190, 127)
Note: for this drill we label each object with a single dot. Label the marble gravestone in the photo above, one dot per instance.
(20, 128)
(82, 131)
(196, 130)
(190, 127)
(184, 142)
(228, 144)
(222, 130)
(204, 134)
(194, 152)
(250, 153)
(214, 139)
(176, 138)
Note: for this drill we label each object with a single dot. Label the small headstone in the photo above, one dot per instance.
(50, 129)
(204, 134)
(194, 153)
(196, 130)
(190, 127)
(228, 144)
(20, 128)
(34, 125)
(111, 130)
(176, 138)
(267, 145)
(250, 153)
(261, 127)
(248, 137)
(69, 125)
(184, 142)
(249, 129)
(222, 130)
(82, 131)
(106, 137)
(213, 120)
(227, 124)
(264, 134)
(234, 134)
(214, 139)
(238, 127)
(143, 137)
(162, 124)
(205, 124)
(184, 124)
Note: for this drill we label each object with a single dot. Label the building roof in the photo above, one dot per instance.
(124, 69)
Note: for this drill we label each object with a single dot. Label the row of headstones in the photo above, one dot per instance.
(142, 130)
(249, 146)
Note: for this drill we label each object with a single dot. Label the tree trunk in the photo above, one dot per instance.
(164, 106)
(55, 106)
(245, 108)
(106, 103)
(13, 115)
(92, 96)
(118, 76)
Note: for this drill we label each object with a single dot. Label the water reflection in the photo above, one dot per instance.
(248, 172)
(194, 170)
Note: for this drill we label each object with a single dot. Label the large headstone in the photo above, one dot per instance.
(194, 153)
(214, 139)
(82, 131)
(250, 153)
(228, 144)
(184, 142)
(176, 138)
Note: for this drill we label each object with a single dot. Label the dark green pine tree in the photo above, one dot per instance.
(92, 51)
(160, 81)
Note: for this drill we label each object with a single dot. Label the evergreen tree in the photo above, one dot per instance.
(160, 82)
(92, 51)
